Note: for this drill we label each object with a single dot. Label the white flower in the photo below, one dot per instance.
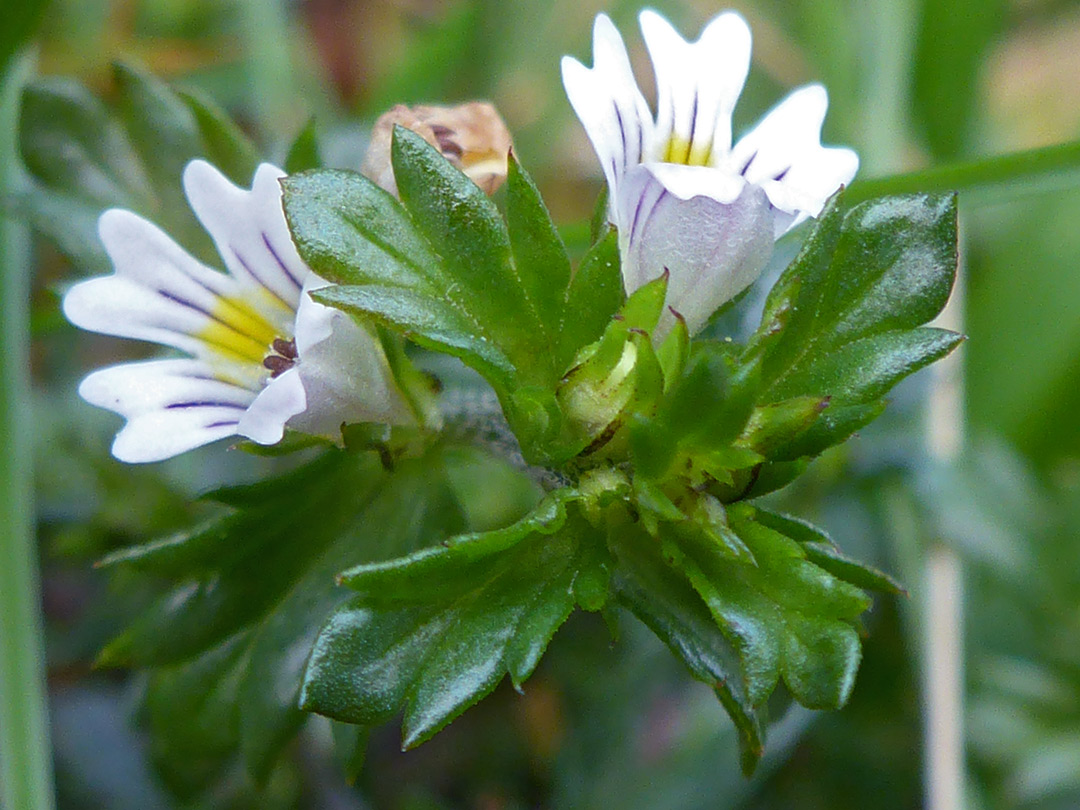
(262, 352)
(682, 197)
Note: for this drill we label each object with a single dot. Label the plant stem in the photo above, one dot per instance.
(943, 592)
(25, 755)
(990, 180)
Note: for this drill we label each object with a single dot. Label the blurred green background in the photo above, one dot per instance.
(913, 84)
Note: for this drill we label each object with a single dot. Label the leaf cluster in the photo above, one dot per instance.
(248, 591)
(665, 442)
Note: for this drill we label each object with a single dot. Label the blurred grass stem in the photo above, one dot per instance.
(942, 613)
(25, 755)
(268, 48)
(889, 31)
(987, 181)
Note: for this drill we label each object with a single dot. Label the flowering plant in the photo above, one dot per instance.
(630, 451)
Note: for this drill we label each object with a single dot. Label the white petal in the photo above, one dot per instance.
(607, 100)
(345, 374)
(119, 306)
(698, 181)
(697, 85)
(131, 389)
(158, 292)
(158, 435)
(712, 250)
(314, 321)
(171, 406)
(248, 228)
(783, 154)
(282, 399)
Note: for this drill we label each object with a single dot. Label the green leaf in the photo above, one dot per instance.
(594, 296)
(226, 145)
(787, 617)
(464, 227)
(539, 255)
(350, 748)
(775, 425)
(866, 369)
(265, 574)
(163, 131)
(21, 20)
(409, 511)
(599, 227)
(352, 232)
(434, 632)
(85, 156)
(191, 713)
(429, 322)
(704, 410)
(822, 551)
(674, 351)
(771, 476)
(885, 265)
(842, 324)
(443, 269)
(70, 141)
(441, 272)
(710, 404)
(69, 222)
(667, 604)
(833, 426)
(304, 151)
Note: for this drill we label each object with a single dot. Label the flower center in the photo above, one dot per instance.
(281, 358)
(682, 151)
(238, 330)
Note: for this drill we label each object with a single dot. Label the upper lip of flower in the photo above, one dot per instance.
(688, 146)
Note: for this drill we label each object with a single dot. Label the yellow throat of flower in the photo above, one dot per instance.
(682, 151)
(239, 331)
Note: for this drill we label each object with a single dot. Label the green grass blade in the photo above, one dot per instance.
(25, 755)
(986, 181)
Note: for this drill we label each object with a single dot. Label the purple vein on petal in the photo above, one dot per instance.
(257, 278)
(277, 257)
(205, 404)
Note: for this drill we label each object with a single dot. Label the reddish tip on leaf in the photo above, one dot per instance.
(676, 314)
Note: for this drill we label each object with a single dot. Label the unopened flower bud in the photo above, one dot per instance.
(472, 136)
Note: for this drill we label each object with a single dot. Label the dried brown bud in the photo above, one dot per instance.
(471, 136)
